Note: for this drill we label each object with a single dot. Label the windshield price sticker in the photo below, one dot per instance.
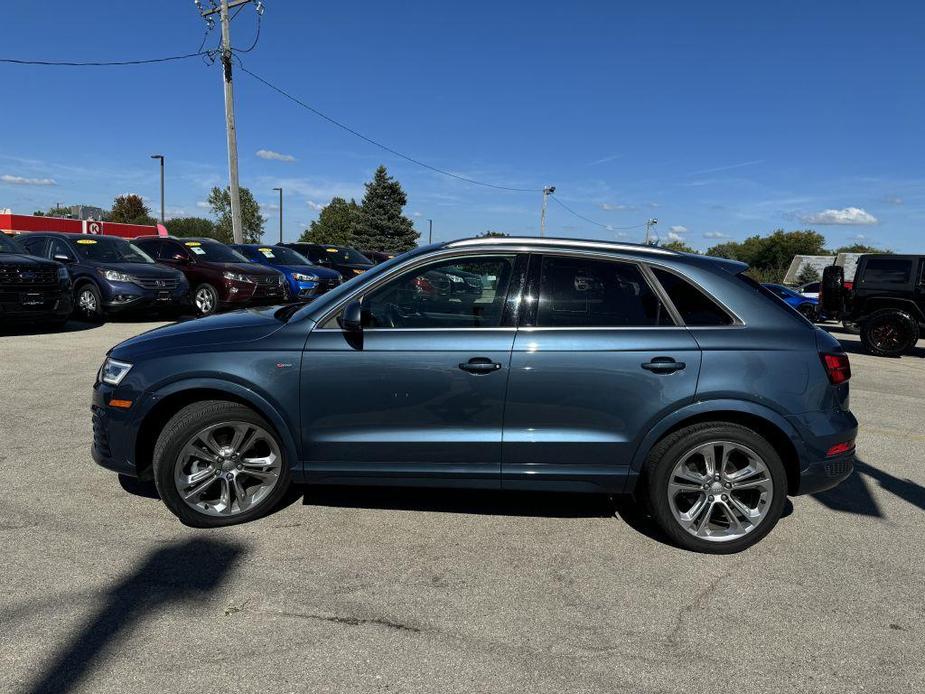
(197, 250)
(268, 252)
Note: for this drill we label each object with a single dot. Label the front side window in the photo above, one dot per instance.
(581, 292)
(58, 249)
(887, 271)
(695, 307)
(34, 244)
(459, 293)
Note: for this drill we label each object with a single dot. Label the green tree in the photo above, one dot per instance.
(381, 226)
(808, 274)
(492, 234)
(251, 219)
(861, 248)
(192, 226)
(770, 256)
(335, 225)
(130, 209)
(679, 246)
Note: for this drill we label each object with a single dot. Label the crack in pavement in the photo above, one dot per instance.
(352, 621)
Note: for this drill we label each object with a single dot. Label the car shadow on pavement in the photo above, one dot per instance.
(854, 495)
(72, 326)
(163, 578)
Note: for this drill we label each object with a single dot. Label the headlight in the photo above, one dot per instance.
(63, 274)
(237, 277)
(114, 371)
(302, 277)
(116, 276)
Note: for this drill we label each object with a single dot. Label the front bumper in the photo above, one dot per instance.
(250, 294)
(114, 432)
(126, 296)
(35, 304)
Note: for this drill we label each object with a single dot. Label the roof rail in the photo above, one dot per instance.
(574, 243)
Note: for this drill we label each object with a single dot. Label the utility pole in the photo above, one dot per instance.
(161, 157)
(280, 214)
(649, 224)
(547, 191)
(430, 231)
(233, 189)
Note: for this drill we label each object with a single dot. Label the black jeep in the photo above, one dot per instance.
(887, 301)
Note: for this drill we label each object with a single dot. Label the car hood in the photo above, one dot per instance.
(22, 259)
(247, 268)
(322, 272)
(246, 325)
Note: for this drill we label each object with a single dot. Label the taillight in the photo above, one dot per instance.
(839, 448)
(837, 367)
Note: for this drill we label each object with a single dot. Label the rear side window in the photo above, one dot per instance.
(887, 271)
(581, 292)
(695, 307)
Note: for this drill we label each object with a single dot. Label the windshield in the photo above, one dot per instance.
(337, 254)
(8, 245)
(214, 252)
(280, 255)
(102, 249)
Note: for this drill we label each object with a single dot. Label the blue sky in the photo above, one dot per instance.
(721, 119)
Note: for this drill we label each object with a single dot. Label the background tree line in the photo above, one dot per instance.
(769, 256)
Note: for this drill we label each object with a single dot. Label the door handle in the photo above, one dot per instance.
(480, 365)
(663, 365)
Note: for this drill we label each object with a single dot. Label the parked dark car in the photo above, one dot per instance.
(887, 301)
(806, 306)
(220, 277)
(111, 275)
(306, 281)
(378, 256)
(32, 289)
(586, 367)
(347, 261)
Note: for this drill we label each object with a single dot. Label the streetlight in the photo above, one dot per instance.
(280, 214)
(547, 191)
(161, 157)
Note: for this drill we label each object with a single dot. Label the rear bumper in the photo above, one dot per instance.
(820, 475)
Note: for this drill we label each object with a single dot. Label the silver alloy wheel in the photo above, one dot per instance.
(86, 300)
(227, 468)
(205, 301)
(720, 491)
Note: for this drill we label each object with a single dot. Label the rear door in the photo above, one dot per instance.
(597, 360)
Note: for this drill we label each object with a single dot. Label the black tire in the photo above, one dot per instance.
(808, 311)
(88, 304)
(673, 448)
(889, 332)
(209, 303)
(174, 437)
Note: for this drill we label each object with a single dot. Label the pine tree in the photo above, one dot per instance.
(381, 226)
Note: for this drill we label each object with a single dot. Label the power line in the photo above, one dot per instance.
(386, 148)
(609, 227)
(67, 63)
(256, 37)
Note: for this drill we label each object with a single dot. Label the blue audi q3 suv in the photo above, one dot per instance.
(495, 363)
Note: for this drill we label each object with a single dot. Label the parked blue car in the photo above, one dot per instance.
(806, 305)
(110, 274)
(579, 366)
(306, 281)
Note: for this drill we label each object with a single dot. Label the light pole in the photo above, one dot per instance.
(161, 157)
(430, 231)
(547, 191)
(280, 214)
(649, 224)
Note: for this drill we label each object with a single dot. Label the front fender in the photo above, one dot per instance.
(705, 407)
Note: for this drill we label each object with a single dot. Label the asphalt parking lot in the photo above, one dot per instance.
(348, 590)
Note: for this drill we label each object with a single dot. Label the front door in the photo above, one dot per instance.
(419, 394)
(596, 361)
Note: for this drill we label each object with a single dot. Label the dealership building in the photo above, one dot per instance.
(24, 223)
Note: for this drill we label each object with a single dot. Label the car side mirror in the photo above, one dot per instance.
(180, 258)
(61, 258)
(352, 318)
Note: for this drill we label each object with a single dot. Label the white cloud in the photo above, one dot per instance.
(22, 181)
(893, 200)
(418, 214)
(678, 229)
(847, 215)
(604, 160)
(274, 156)
(614, 207)
(672, 236)
(203, 205)
(858, 237)
(716, 235)
(317, 207)
(726, 168)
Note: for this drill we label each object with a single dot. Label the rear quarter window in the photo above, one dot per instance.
(887, 271)
(695, 307)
